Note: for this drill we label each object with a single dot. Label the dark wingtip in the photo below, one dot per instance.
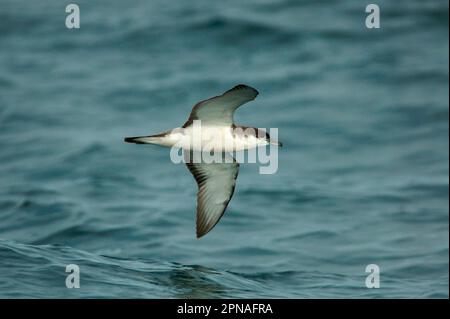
(244, 86)
(200, 234)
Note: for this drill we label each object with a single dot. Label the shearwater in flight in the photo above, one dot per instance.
(216, 180)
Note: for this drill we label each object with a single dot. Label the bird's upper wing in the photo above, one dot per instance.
(219, 110)
(216, 182)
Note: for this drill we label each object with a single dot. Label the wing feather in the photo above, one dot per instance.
(219, 110)
(216, 183)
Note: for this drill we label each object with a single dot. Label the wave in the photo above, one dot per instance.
(39, 271)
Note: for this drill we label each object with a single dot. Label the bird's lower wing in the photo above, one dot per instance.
(216, 182)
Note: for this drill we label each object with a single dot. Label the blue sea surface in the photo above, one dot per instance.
(363, 177)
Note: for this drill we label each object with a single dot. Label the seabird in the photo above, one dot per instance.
(216, 181)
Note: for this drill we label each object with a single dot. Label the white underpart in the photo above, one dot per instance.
(210, 138)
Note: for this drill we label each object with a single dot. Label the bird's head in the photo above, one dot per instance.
(270, 141)
(263, 138)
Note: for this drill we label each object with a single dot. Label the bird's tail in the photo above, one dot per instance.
(151, 139)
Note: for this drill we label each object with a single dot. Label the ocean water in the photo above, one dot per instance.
(363, 177)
